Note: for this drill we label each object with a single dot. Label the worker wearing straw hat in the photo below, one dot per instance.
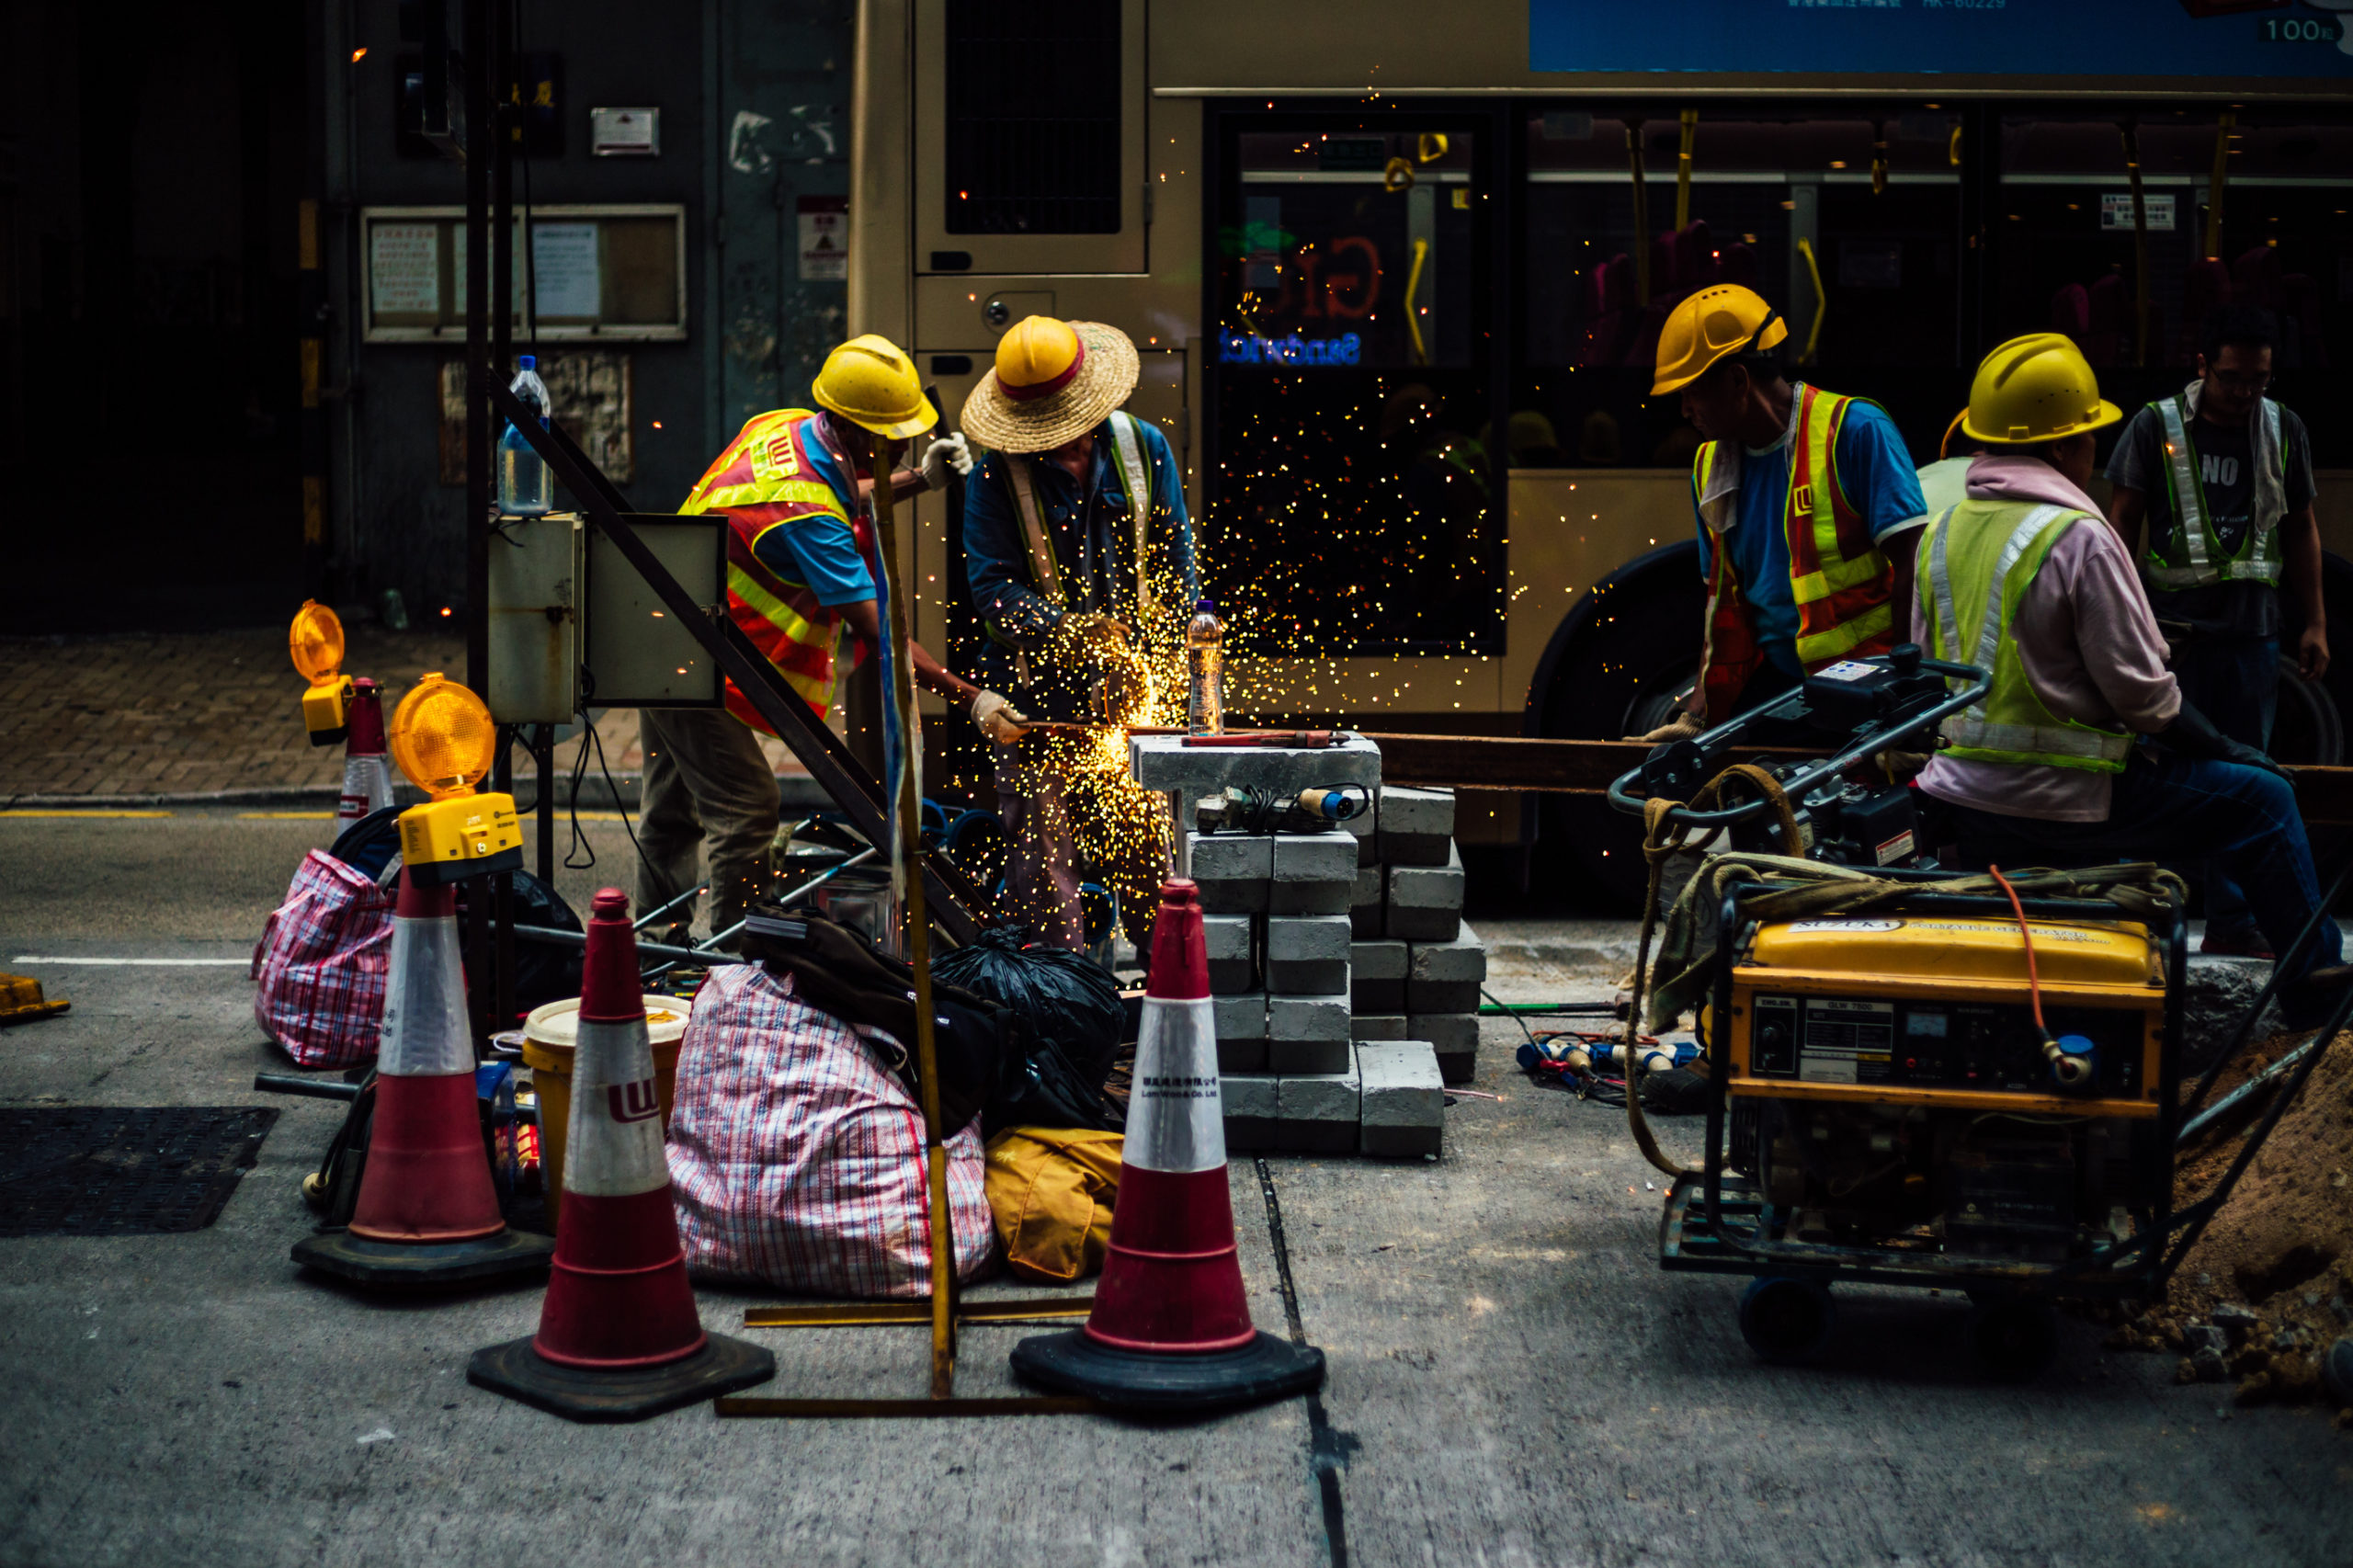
(1080, 559)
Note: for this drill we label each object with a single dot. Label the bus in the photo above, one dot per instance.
(1396, 273)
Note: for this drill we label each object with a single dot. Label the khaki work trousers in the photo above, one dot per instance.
(706, 782)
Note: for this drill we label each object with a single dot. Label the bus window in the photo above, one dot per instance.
(1353, 510)
(2066, 250)
(1847, 222)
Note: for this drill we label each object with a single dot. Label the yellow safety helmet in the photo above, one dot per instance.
(1724, 319)
(870, 382)
(2034, 389)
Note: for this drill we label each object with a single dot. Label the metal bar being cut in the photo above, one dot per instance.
(952, 898)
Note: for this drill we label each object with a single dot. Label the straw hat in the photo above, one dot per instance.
(1053, 382)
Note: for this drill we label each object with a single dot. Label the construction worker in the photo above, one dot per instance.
(1078, 549)
(2020, 579)
(796, 487)
(1800, 497)
(2222, 476)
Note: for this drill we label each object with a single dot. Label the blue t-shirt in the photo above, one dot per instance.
(1875, 473)
(820, 550)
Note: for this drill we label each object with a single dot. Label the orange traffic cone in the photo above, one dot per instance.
(366, 775)
(619, 1338)
(1171, 1327)
(426, 1213)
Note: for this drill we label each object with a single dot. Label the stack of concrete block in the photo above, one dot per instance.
(1287, 938)
(1417, 969)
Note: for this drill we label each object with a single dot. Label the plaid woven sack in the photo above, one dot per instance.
(796, 1157)
(321, 965)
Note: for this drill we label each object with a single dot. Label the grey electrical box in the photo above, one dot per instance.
(535, 620)
(635, 653)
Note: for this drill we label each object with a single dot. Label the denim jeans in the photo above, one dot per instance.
(2170, 808)
(2234, 681)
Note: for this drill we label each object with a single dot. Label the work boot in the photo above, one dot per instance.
(2237, 942)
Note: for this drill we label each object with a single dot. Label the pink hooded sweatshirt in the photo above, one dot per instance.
(2091, 647)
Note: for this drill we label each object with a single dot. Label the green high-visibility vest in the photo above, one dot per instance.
(1977, 560)
(2192, 555)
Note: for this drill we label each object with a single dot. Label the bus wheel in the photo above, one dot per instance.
(1617, 666)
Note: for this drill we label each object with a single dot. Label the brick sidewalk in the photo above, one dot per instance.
(105, 718)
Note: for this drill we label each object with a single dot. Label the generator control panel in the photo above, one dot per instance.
(1939, 1044)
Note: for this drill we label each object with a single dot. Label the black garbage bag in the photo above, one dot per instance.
(1071, 1022)
(543, 971)
(1068, 999)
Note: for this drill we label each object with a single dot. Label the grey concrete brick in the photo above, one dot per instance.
(1318, 1111)
(1307, 1034)
(1314, 873)
(1417, 826)
(1233, 870)
(1401, 1098)
(1233, 954)
(1240, 1033)
(1445, 977)
(1251, 1105)
(1363, 828)
(1376, 976)
(1378, 1026)
(1307, 955)
(1425, 902)
(1455, 1038)
(1166, 762)
(1368, 901)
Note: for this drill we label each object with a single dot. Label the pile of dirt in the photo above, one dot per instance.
(2269, 1286)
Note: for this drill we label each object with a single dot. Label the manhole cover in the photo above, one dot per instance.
(121, 1170)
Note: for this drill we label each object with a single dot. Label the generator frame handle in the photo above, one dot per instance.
(1625, 791)
(2154, 1197)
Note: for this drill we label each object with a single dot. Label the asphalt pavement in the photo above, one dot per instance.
(1512, 1378)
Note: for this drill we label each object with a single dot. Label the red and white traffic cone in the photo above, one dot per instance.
(366, 775)
(619, 1338)
(427, 1213)
(1171, 1327)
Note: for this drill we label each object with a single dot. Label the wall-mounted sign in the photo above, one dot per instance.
(824, 238)
(625, 132)
(2006, 38)
(2116, 209)
(613, 272)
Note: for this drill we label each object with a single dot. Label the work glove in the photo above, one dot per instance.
(2193, 734)
(998, 719)
(949, 454)
(1682, 727)
(1094, 639)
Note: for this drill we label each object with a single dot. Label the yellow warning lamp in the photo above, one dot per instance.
(443, 737)
(316, 641)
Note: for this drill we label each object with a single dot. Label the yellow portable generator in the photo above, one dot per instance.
(1954, 1087)
(1885, 1107)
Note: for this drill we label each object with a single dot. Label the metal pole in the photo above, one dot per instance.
(488, 995)
(1641, 211)
(2223, 126)
(2132, 133)
(909, 810)
(1690, 117)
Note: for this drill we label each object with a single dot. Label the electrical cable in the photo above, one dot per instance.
(2071, 1070)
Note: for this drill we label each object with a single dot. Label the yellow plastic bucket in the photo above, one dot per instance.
(550, 1036)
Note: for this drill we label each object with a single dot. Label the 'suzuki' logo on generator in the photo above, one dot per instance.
(632, 1102)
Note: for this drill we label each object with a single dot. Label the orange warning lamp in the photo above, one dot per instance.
(443, 737)
(316, 642)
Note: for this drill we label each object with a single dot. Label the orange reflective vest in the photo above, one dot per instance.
(1841, 582)
(765, 478)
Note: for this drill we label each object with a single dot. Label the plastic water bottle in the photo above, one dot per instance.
(525, 487)
(1205, 670)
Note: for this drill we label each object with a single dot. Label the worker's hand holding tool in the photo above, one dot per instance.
(998, 719)
(949, 454)
(2193, 734)
(1096, 640)
(1682, 727)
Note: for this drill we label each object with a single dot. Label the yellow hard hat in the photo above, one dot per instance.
(870, 382)
(2033, 389)
(1724, 319)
